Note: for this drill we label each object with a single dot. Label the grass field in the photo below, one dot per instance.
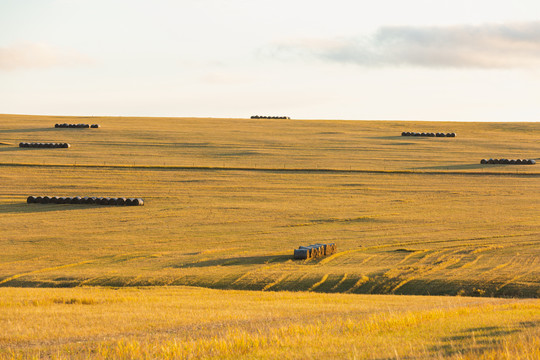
(227, 201)
(184, 323)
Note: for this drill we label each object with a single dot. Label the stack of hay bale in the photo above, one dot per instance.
(270, 117)
(44, 145)
(85, 200)
(509, 161)
(314, 251)
(428, 134)
(77, 126)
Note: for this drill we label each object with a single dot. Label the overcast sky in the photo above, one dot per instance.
(473, 60)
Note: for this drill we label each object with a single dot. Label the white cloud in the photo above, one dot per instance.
(38, 55)
(462, 46)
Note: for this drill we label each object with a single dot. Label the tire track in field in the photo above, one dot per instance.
(16, 276)
(515, 278)
(272, 284)
(277, 170)
(364, 279)
(319, 283)
(340, 282)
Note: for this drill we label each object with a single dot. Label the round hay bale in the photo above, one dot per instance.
(45, 200)
(92, 200)
(85, 200)
(21, 144)
(431, 134)
(112, 201)
(104, 201)
(76, 200)
(31, 200)
(56, 125)
(532, 162)
(423, 134)
(130, 202)
(301, 254)
(404, 134)
(39, 199)
(121, 201)
(61, 200)
(95, 126)
(65, 145)
(495, 161)
(518, 162)
(54, 200)
(491, 161)
(139, 202)
(483, 161)
(512, 162)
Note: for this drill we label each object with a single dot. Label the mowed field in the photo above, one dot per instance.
(227, 201)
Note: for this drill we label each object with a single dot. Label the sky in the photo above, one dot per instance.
(458, 60)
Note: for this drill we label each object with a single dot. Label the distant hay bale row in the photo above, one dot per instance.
(44, 145)
(314, 251)
(270, 117)
(429, 134)
(79, 126)
(85, 200)
(508, 161)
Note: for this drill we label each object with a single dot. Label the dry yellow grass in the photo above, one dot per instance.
(187, 323)
(227, 200)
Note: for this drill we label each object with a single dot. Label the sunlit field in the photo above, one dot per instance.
(226, 203)
(183, 323)
(225, 209)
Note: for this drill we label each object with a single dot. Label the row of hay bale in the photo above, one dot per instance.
(90, 200)
(44, 145)
(314, 251)
(508, 161)
(428, 134)
(270, 117)
(79, 126)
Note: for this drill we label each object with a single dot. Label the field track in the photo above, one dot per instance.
(279, 170)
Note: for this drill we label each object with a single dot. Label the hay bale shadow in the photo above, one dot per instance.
(237, 261)
(27, 130)
(23, 207)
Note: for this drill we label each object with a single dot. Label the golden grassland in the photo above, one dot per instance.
(227, 201)
(184, 323)
(433, 221)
